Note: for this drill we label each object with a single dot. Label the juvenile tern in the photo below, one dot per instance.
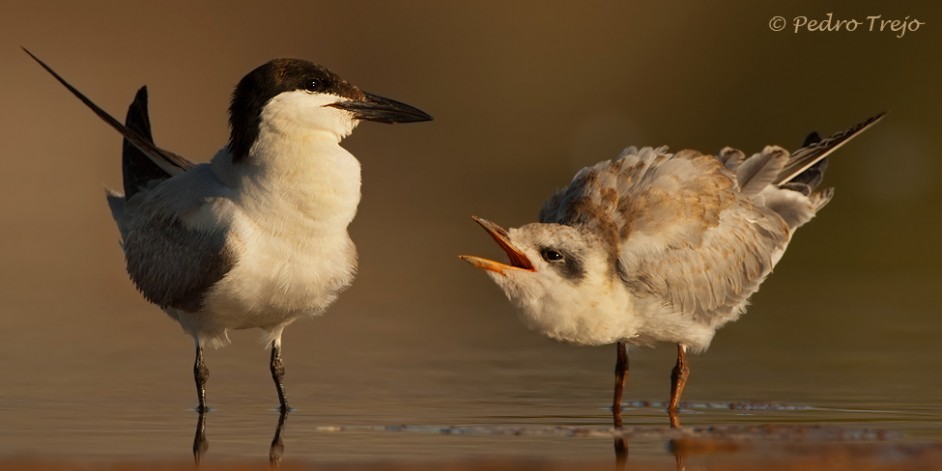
(658, 247)
(258, 236)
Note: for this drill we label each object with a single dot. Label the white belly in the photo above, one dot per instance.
(292, 250)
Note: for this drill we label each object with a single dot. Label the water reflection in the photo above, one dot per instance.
(621, 453)
(275, 451)
(737, 441)
(680, 454)
(621, 442)
(277, 446)
(200, 443)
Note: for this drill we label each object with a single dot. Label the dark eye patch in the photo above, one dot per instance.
(567, 264)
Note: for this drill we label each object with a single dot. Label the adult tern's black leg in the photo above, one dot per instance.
(278, 374)
(200, 374)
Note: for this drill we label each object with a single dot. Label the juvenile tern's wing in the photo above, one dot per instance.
(680, 229)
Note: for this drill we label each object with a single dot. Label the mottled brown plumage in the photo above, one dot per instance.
(670, 246)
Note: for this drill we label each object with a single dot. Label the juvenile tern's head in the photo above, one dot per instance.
(557, 275)
(297, 96)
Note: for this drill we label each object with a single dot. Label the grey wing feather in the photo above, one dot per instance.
(174, 266)
(174, 253)
(711, 245)
(758, 171)
(731, 157)
(710, 280)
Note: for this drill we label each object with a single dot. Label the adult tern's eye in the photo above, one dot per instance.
(312, 85)
(551, 255)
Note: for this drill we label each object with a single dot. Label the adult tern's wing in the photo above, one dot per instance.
(169, 162)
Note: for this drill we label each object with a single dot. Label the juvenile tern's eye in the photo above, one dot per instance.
(312, 85)
(551, 255)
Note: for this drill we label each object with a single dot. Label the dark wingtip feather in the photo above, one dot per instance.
(812, 138)
(816, 150)
(807, 181)
(138, 169)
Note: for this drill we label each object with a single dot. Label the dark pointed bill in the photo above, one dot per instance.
(518, 260)
(383, 110)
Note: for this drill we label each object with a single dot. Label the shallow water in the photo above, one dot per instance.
(471, 383)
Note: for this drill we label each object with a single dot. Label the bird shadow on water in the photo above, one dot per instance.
(275, 451)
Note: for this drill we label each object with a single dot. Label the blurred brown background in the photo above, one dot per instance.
(523, 94)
